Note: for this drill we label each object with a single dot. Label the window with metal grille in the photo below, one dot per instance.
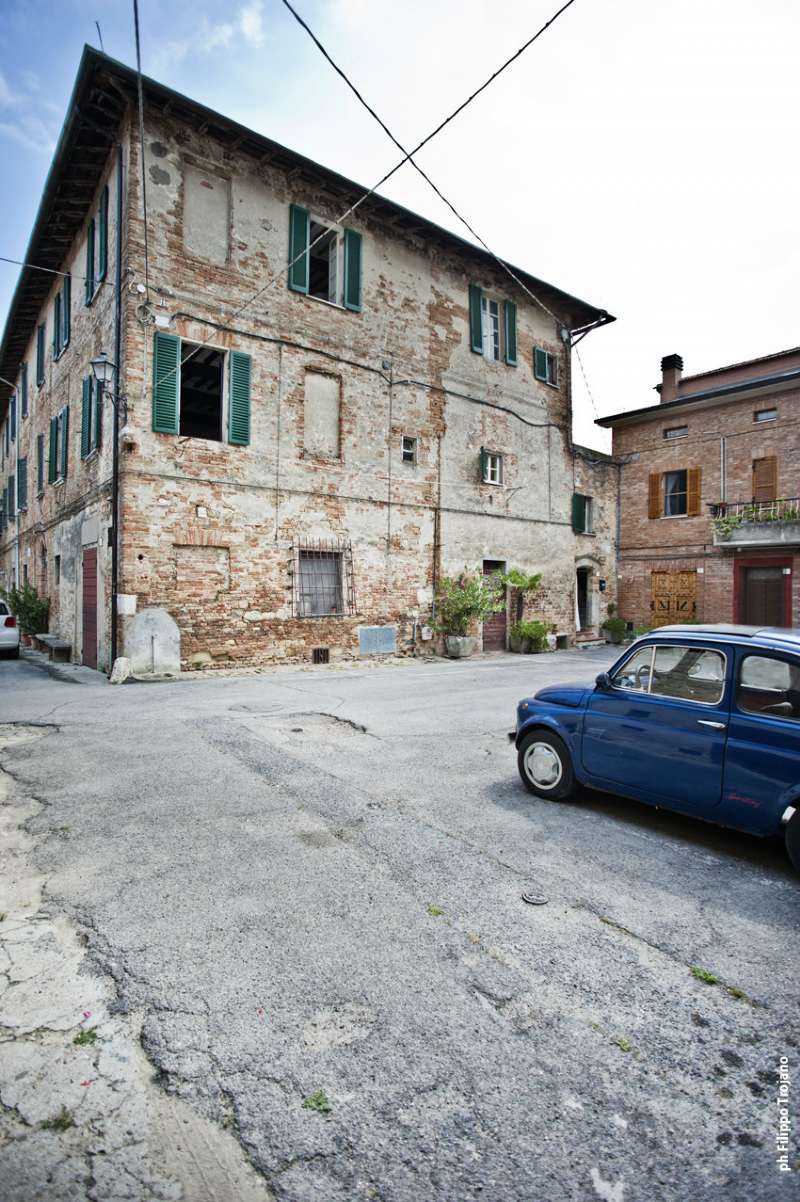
(323, 580)
(321, 655)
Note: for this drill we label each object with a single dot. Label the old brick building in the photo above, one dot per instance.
(709, 486)
(303, 453)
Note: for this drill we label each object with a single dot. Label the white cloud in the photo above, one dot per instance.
(251, 22)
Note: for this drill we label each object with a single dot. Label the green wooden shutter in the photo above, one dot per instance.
(64, 441)
(102, 250)
(52, 451)
(98, 414)
(484, 464)
(88, 284)
(39, 463)
(40, 335)
(540, 363)
(22, 483)
(299, 225)
(86, 418)
(578, 513)
(166, 382)
(352, 270)
(12, 497)
(511, 332)
(23, 391)
(475, 320)
(66, 303)
(239, 399)
(57, 326)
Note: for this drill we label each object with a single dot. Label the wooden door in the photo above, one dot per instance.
(494, 628)
(764, 593)
(673, 597)
(90, 607)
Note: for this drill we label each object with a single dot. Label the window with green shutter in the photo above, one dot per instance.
(239, 372)
(23, 391)
(545, 366)
(12, 497)
(57, 331)
(64, 441)
(39, 464)
(97, 413)
(298, 248)
(12, 417)
(86, 417)
(581, 514)
(22, 484)
(352, 270)
(40, 340)
(102, 236)
(88, 282)
(52, 452)
(510, 315)
(66, 309)
(475, 320)
(166, 382)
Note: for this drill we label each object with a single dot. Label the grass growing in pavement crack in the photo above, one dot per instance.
(434, 911)
(624, 1044)
(85, 1037)
(3, 915)
(317, 1101)
(703, 974)
(62, 1121)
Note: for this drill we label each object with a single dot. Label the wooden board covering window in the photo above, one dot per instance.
(673, 597)
(654, 496)
(765, 479)
(693, 491)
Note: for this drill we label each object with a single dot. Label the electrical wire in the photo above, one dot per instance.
(407, 156)
(52, 271)
(140, 90)
(586, 380)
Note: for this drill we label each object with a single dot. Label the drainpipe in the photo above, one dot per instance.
(115, 523)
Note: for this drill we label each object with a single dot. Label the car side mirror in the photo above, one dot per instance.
(603, 681)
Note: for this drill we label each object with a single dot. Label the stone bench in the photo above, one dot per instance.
(58, 650)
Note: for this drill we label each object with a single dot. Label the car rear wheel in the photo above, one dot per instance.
(793, 840)
(545, 766)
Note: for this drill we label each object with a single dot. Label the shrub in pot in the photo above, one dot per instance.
(535, 635)
(31, 611)
(462, 601)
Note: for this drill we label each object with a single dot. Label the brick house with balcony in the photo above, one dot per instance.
(303, 451)
(709, 485)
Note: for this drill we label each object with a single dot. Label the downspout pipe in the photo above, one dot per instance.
(115, 522)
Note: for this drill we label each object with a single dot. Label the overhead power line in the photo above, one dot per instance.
(51, 270)
(140, 91)
(407, 157)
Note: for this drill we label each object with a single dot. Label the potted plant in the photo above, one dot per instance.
(461, 602)
(614, 626)
(30, 610)
(535, 634)
(517, 638)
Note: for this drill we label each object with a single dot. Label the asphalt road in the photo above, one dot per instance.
(311, 881)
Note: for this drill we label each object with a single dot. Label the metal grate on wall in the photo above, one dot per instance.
(322, 581)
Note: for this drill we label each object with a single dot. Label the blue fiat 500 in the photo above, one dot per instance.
(700, 719)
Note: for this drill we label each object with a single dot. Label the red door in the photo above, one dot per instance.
(90, 607)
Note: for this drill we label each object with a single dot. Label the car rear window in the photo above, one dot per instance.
(769, 686)
(3, 608)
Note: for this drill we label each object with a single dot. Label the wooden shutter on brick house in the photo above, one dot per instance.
(299, 225)
(166, 382)
(693, 491)
(352, 270)
(765, 479)
(510, 314)
(239, 399)
(654, 495)
(475, 320)
(86, 417)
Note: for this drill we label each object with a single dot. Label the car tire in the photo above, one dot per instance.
(793, 840)
(545, 766)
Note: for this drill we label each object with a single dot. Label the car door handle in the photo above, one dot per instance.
(713, 725)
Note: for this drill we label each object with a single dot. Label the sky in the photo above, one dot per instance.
(642, 155)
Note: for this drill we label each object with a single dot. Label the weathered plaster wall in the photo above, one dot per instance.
(403, 366)
(597, 476)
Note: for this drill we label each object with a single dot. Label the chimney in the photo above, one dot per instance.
(671, 368)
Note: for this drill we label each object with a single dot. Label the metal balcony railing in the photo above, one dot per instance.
(784, 509)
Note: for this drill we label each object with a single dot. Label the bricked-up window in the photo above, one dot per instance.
(201, 392)
(323, 582)
(321, 414)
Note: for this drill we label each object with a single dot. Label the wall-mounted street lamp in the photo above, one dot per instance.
(104, 371)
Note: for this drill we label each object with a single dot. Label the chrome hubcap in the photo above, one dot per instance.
(543, 766)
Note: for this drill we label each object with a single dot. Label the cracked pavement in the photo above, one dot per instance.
(310, 880)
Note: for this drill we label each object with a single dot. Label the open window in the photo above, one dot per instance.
(324, 273)
(201, 392)
(324, 260)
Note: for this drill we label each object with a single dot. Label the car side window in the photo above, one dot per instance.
(635, 672)
(689, 674)
(769, 686)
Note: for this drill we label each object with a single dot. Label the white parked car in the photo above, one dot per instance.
(9, 632)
